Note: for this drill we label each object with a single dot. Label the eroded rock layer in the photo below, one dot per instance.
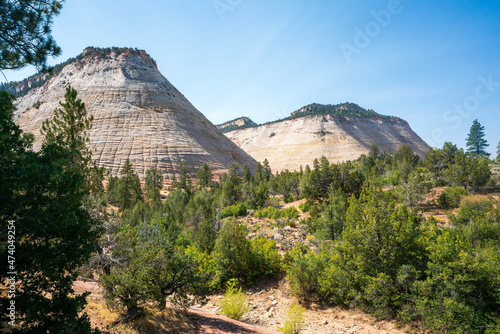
(138, 114)
(292, 143)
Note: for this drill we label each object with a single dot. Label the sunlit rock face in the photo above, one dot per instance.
(292, 143)
(138, 114)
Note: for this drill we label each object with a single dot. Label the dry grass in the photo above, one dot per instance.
(99, 313)
(165, 321)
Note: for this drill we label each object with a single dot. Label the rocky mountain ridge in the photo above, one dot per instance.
(238, 123)
(297, 140)
(138, 114)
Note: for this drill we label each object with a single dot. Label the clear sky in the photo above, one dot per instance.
(435, 64)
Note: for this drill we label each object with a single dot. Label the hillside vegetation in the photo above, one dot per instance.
(339, 110)
(371, 246)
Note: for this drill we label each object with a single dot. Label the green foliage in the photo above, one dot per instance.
(204, 176)
(228, 193)
(266, 261)
(460, 293)
(175, 204)
(129, 190)
(255, 195)
(237, 257)
(315, 183)
(200, 220)
(153, 183)
(305, 207)
(227, 126)
(43, 193)
(286, 184)
(232, 252)
(412, 190)
(331, 223)
(476, 143)
(235, 210)
(437, 161)
(26, 33)
(234, 303)
(405, 161)
(451, 196)
(468, 172)
(294, 321)
(153, 268)
(498, 152)
(394, 266)
(274, 213)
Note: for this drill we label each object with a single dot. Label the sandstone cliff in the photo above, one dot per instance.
(295, 142)
(238, 123)
(138, 114)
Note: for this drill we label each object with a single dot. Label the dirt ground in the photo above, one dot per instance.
(269, 299)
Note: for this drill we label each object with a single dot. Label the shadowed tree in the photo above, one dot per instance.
(25, 33)
(54, 232)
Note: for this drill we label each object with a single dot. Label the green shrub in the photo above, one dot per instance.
(290, 213)
(266, 259)
(450, 197)
(235, 210)
(305, 207)
(294, 322)
(232, 252)
(273, 213)
(234, 304)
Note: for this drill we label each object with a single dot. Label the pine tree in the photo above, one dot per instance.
(26, 33)
(204, 176)
(476, 142)
(247, 175)
(498, 151)
(154, 183)
(54, 232)
(129, 187)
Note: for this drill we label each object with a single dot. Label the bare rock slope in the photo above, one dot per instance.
(297, 141)
(138, 114)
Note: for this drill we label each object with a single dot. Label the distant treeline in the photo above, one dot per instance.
(339, 110)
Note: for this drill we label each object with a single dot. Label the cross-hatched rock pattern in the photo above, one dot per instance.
(138, 114)
(289, 144)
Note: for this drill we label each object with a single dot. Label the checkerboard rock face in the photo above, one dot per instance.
(138, 114)
(292, 143)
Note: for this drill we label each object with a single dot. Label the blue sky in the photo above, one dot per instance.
(435, 64)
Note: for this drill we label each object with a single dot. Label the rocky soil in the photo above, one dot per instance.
(270, 300)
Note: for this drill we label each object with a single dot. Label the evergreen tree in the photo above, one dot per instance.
(154, 183)
(204, 176)
(247, 175)
(234, 174)
(129, 187)
(498, 151)
(184, 178)
(476, 143)
(26, 33)
(69, 127)
(44, 197)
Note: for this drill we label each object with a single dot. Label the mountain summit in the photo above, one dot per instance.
(138, 114)
(339, 132)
